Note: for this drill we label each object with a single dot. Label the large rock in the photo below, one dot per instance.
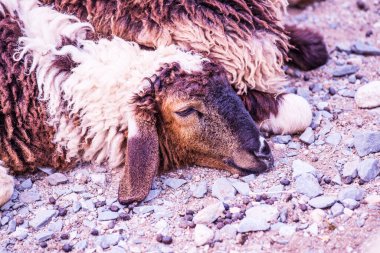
(42, 218)
(20, 233)
(337, 209)
(367, 142)
(248, 179)
(300, 167)
(351, 192)
(202, 234)
(368, 95)
(199, 190)
(308, 136)
(98, 178)
(334, 139)
(252, 224)
(364, 49)
(57, 178)
(26, 184)
(152, 195)
(264, 212)
(241, 187)
(29, 197)
(350, 203)
(223, 189)
(209, 214)
(350, 169)
(322, 201)
(174, 183)
(308, 185)
(344, 70)
(368, 169)
(282, 139)
(287, 230)
(108, 215)
(44, 236)
(228, 232)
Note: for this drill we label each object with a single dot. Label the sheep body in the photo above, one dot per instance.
(246, 36)
(97, 88)
(25, 139)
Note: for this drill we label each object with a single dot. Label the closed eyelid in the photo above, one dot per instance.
(186, 112)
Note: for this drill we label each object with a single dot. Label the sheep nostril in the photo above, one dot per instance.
(264, 151)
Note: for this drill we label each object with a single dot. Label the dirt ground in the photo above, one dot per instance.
(339, 22)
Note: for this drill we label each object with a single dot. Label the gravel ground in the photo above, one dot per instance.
(322, 196)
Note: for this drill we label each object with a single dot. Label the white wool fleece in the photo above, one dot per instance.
(98, 90)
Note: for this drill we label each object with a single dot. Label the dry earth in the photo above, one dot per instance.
(86, 194)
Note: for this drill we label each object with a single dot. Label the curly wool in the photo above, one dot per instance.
(25, 137)
(88, 85)
(246, 36)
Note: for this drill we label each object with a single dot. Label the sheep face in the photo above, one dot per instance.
(203, 122)
(187, 119)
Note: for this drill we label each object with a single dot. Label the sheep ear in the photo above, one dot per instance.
(142, 160)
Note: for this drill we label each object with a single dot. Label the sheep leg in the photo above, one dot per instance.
(308, 48)
(294, 116)
(278, 114)
(6, 185)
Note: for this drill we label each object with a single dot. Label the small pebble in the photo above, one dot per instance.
(219, 225)
(303, 207)
(332, 91)
(167, 240)
(43, 245)
(348, 180)
(284, 181)
(19, 221)
(191, 224)
(67, 247)
(94, 232)
(100, 204)
(52, 200)
(159, 237)
(114, 208)
(65, 236)
(111, 225)
(62, 211)
(327, 179)
(124, 216)
(362, 5)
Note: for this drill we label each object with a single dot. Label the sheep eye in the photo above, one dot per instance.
(186, 112)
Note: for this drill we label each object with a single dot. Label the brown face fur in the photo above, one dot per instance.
(203, 122)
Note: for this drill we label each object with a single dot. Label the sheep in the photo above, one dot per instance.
(245, 36)
(69, 97)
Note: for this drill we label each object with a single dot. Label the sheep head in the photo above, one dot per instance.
(190, 119)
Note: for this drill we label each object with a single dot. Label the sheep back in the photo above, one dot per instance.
(25, 137)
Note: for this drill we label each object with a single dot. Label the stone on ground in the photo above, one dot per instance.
(367, 142)
(223, 190)
(368, 169)
(202, 234)
(209, 214)
(368, 96)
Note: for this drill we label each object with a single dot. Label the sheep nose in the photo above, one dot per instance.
(264, 153)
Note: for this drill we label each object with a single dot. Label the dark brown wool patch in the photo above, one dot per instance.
(240, 18)
(261, 105)
(25, 137)
(308, 50)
